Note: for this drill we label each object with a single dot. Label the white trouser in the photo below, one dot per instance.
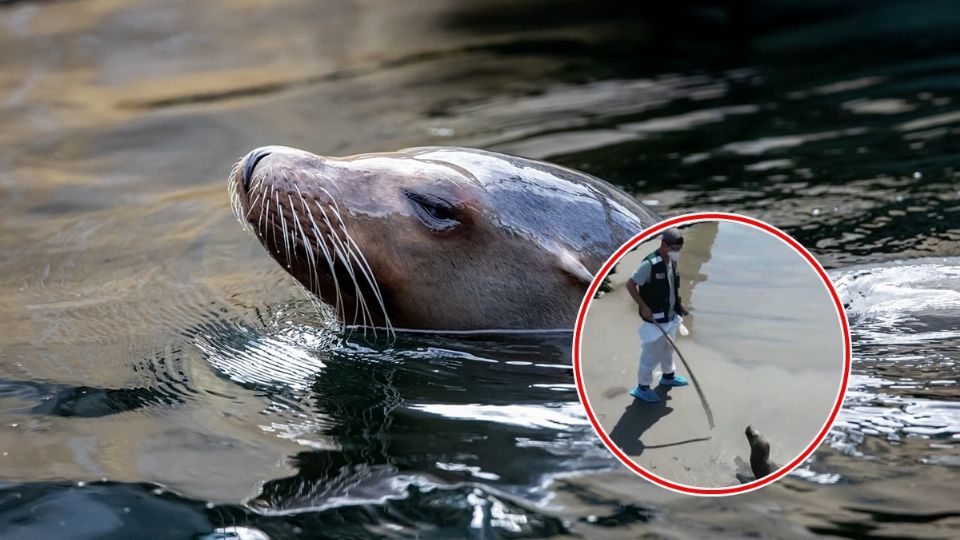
(656, 350)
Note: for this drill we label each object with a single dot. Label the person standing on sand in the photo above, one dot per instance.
(655, 287)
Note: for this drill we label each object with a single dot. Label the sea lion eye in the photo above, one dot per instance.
(434, 212)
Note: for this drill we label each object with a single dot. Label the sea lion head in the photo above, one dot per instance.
(758, 444)
(435, 238)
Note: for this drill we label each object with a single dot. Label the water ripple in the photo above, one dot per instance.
(905, 321)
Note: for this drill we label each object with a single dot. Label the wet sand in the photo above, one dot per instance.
(764, 344)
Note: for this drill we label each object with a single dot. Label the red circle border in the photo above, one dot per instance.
(578, 337)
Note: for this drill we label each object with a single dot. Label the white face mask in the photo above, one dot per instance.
(674, 255)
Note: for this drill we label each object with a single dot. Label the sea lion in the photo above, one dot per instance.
(435, 238)
(760, 462)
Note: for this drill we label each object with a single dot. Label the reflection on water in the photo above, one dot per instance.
(906, 320)
(145, 339)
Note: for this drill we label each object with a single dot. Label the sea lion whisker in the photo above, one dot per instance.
(338, 305)
(248, 227)
(264, 218)
(365, 309)
(332, 198)
(256, 186)
(311, 258)
(343, 249)
(361, 299)
(232, 190)
(267, 220)
(257, 183)
(331, 261)
(374, 286)
(286, 238)
(368, 274)
(237, 207)
(322, 246)
(365, 268)
(320, 179)
(334, 242)
(367, 315)
(283, 229)
(264, 208)
(351, 249)
(233, 172)
(253, 204)
(293, 236)
(348, 264)
(274, 195)
(308, 251)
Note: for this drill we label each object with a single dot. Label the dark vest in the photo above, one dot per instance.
(656, 291)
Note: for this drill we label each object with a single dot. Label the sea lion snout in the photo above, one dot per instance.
(249, 164)
(253, 162)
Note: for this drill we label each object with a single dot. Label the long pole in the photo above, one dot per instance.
(693, 378)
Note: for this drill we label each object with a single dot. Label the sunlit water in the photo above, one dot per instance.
(159, 373)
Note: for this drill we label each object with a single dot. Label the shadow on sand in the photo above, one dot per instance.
(637, 418)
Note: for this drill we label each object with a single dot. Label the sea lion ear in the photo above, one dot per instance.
(570, 264)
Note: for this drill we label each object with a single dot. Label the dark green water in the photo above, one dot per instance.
(161, 377)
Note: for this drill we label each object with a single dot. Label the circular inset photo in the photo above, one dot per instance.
(712, 354)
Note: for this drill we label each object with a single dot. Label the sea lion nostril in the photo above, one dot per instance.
(250, 163)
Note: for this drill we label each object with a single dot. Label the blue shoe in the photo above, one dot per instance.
(645, 395)
(677, 380)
